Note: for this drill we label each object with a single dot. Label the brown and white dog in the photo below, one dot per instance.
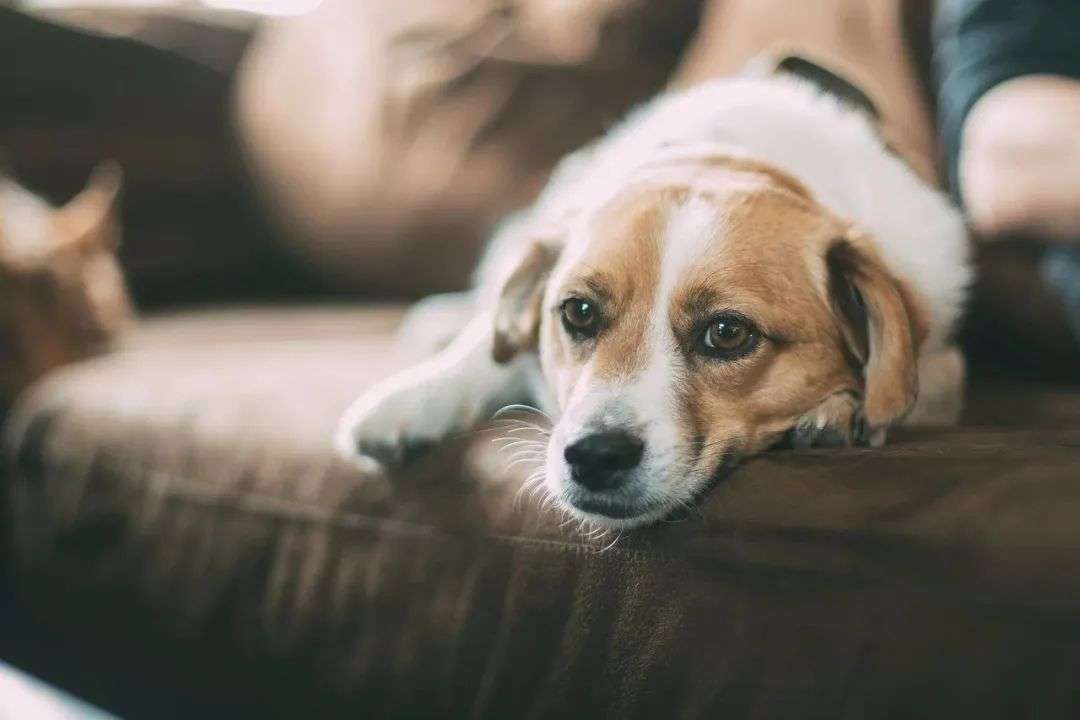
(736, 264)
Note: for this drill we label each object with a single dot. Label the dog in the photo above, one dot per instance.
(736, 265)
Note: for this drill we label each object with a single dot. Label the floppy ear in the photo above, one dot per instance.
(881, 327)
(517, 313)
(88, 218)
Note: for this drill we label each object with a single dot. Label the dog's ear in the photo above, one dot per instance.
(882, 329)
(88, 219)
(517, 314)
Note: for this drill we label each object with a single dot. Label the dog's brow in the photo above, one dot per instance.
(700, 300)
(599, 284)
(692, 306)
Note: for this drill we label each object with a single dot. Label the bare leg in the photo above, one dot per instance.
(1020, 159)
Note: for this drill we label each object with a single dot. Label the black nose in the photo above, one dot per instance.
(595, 460)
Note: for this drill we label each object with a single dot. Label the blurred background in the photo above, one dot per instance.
(275, 178)
(276, 147)
(297, 148)
(150, 85)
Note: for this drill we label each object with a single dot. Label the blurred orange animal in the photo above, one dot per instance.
(62, 293)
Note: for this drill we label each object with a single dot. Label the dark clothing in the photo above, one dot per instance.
(981, 43)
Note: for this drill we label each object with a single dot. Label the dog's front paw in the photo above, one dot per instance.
(394, 422)
(835, 422)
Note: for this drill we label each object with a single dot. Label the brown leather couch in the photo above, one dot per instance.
(183, 543)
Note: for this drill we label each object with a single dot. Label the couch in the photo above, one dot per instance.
(181, 541)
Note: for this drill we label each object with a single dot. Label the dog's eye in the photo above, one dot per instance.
(580, 317)
(728, 336)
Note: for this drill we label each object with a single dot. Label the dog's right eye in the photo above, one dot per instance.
(727, 337)
(581, 317)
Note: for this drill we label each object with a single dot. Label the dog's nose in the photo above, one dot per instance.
(595, 460)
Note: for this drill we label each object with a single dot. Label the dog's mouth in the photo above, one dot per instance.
(633, 511)
(614, 509)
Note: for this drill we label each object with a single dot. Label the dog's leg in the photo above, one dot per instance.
(941, 389)
(450, 392)
(432, 324)
(837, 420)
(832, 423)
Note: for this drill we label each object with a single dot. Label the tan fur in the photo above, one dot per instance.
(62, 295)
(895, 332)
(736, 198)
(767, 263)
(626, 255)
(517, 317)
(765, 266)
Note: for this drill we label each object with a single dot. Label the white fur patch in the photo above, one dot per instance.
(833, 150)
(688, 232)
(689, 229)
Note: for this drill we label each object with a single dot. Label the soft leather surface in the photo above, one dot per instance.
(178, 515)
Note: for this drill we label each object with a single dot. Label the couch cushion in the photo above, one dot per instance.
(389, 137)
(178, 514)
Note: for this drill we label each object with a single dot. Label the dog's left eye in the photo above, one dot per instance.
(580, 317)
(728, 336)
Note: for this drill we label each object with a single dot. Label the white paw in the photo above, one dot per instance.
(835, 422)
(434, 322)
(397, 419)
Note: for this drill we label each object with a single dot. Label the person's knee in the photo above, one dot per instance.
(1019, 165)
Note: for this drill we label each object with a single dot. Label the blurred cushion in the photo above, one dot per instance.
(178, 515)
(390, 136)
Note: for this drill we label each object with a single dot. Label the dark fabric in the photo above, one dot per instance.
(70, 99)
(1016, 318)
(180, 522)
(982, 43)
(1060, 268)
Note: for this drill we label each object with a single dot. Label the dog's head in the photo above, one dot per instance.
(702, 314)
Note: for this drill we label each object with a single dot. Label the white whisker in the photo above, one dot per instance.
(531, 429)
(520, 408)
(527, 452)
(521, 443)
(612, 544)
(521, 460)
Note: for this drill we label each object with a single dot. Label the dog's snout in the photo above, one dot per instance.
(596, 459)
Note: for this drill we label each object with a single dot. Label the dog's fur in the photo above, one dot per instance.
(761, 197)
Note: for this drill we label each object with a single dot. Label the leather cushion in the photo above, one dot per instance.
(178, 514)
